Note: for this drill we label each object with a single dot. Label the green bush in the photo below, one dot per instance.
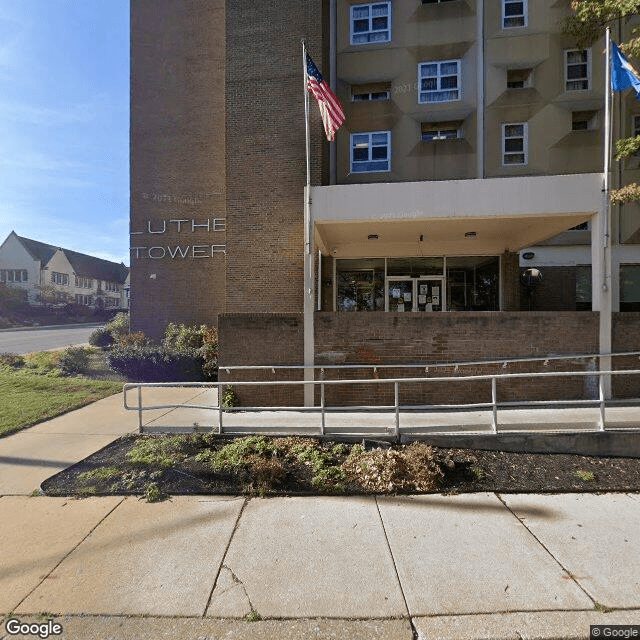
(73, 360)
(230, 398)
(199, 338)
(119, 327)
(149, 363)
(101, 337)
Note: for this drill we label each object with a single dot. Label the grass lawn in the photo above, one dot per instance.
(36, 392)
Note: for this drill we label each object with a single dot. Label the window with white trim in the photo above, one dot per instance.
(14, 275)
(514, 143)
(111, 286)
(59, 278)
(370, 152)
(514, 13)
(86, 301)
(577, 69)
(439, 81)
(84, 283)
(433, 131)
(371, 23)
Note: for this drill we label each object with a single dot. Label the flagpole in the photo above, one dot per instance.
(308, 331)
(605, 304)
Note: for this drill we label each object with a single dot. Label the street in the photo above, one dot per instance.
(23, 341)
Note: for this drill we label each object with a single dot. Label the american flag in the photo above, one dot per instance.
(330, 107)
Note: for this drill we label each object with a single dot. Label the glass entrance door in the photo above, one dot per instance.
(429, 294)
(400, 294)
(415, 294)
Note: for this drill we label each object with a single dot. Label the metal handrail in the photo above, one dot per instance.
(494, 404)
(461, 363)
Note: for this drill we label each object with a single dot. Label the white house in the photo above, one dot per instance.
(75, 277)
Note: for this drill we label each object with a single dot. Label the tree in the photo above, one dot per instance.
(588, 23)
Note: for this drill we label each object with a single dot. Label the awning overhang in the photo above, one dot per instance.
(457, 217)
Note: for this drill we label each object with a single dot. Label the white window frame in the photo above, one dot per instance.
(60, 278)
(525, 144)
(371, 31)
(523, 15)
(354, 164)
(439, 77)
(567, 80)
(14, 275)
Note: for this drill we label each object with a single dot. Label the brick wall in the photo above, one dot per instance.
(390, 338)
(262, 338)
(177, 161)
(626, 337)
(265, 149)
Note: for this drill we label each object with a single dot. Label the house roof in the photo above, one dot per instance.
(82, 264)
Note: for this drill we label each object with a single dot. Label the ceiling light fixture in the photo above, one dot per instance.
(372, 236)
(470, 234)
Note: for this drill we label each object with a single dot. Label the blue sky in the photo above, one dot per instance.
(64, 123)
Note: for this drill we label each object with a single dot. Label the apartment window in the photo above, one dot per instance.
(432, 131)
(630, 287)
(371, 23)
(84, 283)
(371, 93)
(439, 81)
(635, 125)
(584, 120)
(514, 13)
(370, 152)
(14, 275)
(59, 278)
(514, 143)
(519, 78)
(577, 66)
(111, 286)
(86, 301)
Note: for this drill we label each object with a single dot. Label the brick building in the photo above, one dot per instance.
(471, 151)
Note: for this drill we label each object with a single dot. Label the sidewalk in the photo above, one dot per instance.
(433, 566)
(465, 566)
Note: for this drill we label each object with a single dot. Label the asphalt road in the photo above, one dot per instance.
(26, 341)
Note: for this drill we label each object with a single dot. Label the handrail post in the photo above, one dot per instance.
(601, 385)
(219, 408)
(322, 407)
(397, 403)
(139, 409)
(494, 405)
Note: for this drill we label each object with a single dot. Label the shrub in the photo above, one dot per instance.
(230, 398)
(149, 363)
(199, 338)
(119, 326)
(73, 360)
(133, 339)
(101, 337)
(11, 360)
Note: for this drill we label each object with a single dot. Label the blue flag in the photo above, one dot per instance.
(623, 75)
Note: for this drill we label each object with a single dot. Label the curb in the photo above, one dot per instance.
(88, 325)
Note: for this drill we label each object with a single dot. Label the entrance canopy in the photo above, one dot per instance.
(453, 217)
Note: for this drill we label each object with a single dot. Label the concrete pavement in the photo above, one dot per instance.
(465, 566)
(405, 567)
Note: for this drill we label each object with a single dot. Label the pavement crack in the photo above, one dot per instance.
(568, 573)
(224, 557)
(414, 631)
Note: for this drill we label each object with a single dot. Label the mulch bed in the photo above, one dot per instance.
(463, 471)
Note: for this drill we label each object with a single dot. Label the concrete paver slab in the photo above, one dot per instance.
(36, 535)
(545, 625)
(27, 458)
(468, 554)
(124, 628)
(312, 557)
(595, 537)
(153, 559)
